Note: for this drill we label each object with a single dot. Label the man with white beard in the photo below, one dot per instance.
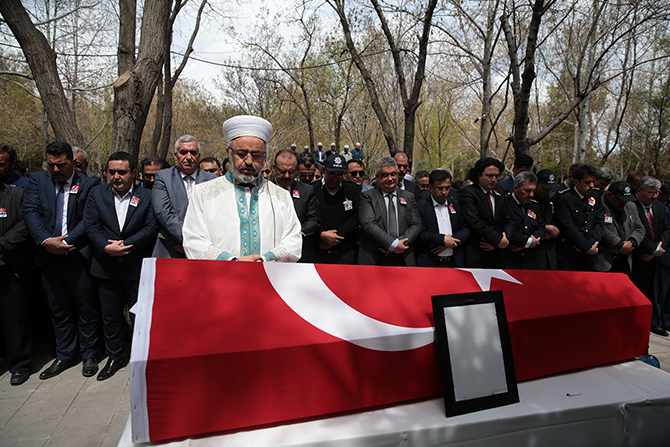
(242, 216)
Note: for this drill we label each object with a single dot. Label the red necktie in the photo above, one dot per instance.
(650, 219)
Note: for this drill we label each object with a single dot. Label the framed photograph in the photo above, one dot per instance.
(475, 352)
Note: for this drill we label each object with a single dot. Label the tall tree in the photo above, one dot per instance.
(410, 94)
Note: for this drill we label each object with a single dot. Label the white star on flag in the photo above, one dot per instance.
(483, 277)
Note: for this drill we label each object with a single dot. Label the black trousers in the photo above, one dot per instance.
(15, 321)
(115, 293)
(73, 304)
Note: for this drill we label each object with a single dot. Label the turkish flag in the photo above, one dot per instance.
(221, 345)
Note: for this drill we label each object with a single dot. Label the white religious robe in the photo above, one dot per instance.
(224, 221)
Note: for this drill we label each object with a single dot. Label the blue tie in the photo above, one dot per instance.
(60, 202)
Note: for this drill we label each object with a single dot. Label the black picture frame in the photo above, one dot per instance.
(469, 385)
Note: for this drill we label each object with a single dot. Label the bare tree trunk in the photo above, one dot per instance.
(375, 102)
(158, 124)
(42, 61)
(126, 50)
(134, 89)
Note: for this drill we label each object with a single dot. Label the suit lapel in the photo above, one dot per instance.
(401, 213)
(180, 188)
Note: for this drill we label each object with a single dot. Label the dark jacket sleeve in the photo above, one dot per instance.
(313, 222)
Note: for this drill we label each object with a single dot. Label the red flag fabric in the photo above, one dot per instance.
(220, 345)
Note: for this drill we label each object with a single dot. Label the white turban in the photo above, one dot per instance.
(246, 126)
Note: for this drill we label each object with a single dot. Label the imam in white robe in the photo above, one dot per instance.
(225, 221)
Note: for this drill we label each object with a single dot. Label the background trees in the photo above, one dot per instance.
(446, 82)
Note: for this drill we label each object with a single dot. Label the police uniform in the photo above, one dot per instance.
(523, 220)
(581, 222)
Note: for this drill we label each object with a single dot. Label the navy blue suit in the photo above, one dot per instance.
(118, 277)
(66, 281)
(430, 232)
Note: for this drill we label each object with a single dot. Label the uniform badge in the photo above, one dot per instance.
(592, 201)
(3, 212)
(451, 209)
(74, 189)
(295, 193)
(348, 205)
(531, 214)
(495, 191)
(402, 200)
(608, 218)
(630, 217)
(134, 201)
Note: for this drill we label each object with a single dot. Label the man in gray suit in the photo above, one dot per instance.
(171, 192)
(390, 220)
(623, 230)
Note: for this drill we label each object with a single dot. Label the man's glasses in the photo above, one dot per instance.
(266, 171)
(283, 172)
(307, 175)
(388, 174)
(255, 156)
(121, 172)
(357, 173)
(441, 188)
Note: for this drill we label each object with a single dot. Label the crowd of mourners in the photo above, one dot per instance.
(82, 236)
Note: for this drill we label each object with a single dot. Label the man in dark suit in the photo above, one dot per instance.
(482, 208)
(304, 201)
(53, 206)
(15, 252)
(521, 163)
(121, 225)
(578, 213)
(171, 192)
(655, 242)
(443, 231)
(524, 225)
(390, 220)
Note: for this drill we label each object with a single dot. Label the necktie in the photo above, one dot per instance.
(189, 186)
(490, 197)
(60, 203)
(392, 219)
(650, 219)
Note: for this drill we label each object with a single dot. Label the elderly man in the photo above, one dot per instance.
(242, 216)
(80, 160)
(655, 243)
(172, 192)
(304, 200)
(390, 220)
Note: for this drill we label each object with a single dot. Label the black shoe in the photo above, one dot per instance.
(57, 367)
(89, 368)
(659, 331)
(112, 366)
(19, 377)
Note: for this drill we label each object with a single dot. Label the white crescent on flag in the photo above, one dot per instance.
(312, 300)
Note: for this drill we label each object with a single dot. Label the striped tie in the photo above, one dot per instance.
(189, 186)
(650, 219)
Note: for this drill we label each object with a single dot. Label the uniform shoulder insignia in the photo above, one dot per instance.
(565, 190)
(534, 201)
